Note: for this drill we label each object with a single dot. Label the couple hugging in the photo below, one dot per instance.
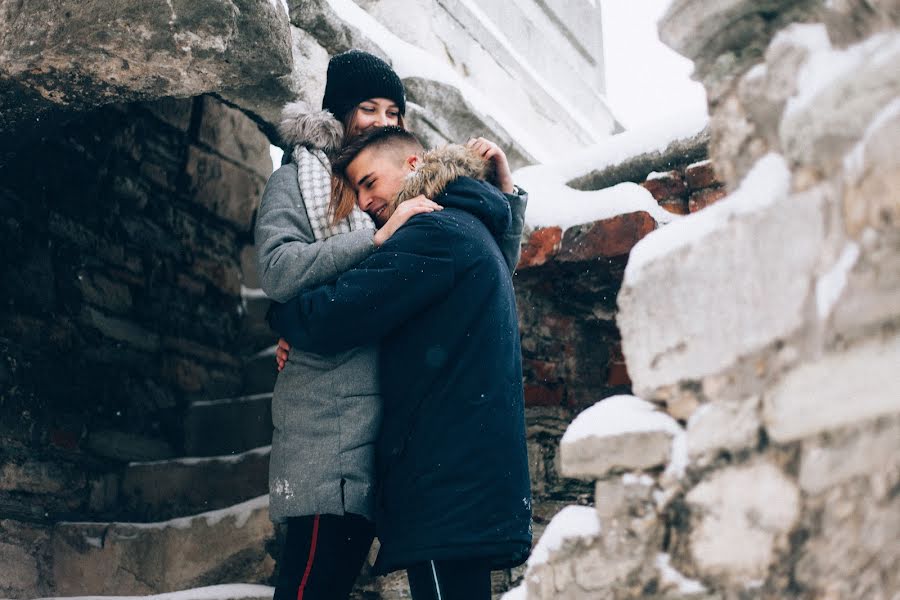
(398, 408)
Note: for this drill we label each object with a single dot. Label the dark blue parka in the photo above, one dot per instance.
(451, 463)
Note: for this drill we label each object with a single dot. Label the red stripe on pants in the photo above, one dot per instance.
(309, 561)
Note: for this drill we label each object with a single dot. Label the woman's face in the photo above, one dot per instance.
(374, 112)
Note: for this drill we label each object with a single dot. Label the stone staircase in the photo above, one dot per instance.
(195, 526)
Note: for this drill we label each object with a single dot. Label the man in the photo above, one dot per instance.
(451, 466)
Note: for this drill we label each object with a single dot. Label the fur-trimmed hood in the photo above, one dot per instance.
(456, 177)
(313, 129)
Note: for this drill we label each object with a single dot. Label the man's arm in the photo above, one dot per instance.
(410, 272)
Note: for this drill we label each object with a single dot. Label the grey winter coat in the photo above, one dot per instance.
(326, 410)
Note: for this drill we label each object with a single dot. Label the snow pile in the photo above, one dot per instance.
(233, 591)
(203, 460)
(621, 415)
(517, 593)
(552, 202)
(855, 161)
(572, 522)
(768, 181)
(669, 576)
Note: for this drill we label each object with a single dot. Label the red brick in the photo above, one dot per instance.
(606, 238)
(703, 198)
(679, 206)
(701, 175)
(541, 245)
(544, 395)
(665, 186)
(541, 370)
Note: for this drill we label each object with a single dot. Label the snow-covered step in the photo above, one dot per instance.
(260, 371)
(222, 546)
(228, 426)
(230, 591)
(183, 486)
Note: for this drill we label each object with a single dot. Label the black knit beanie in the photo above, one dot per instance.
(354, 76)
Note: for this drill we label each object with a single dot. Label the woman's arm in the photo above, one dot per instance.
(289, 258)
(511, 242)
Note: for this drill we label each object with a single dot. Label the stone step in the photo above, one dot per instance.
(228, 426)
(168, 488)
(260, 371)
(221, 546)
(231, 591)
(255, 334)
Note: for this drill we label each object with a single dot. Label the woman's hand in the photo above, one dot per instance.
(281, 353)
(492, 152)
(405, 210)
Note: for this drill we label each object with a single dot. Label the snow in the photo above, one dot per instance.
(571, 522)
(240, 512)
(637, 479)
(553, 203)
(669, 576)
(276, 154)
(232, 591)
(621, 415)
(826, 65)
(769, 180)
(252, 293)
(198, 460)
(410, 61)
(517, 593)
(832, 283)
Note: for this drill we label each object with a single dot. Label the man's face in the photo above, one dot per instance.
(376, 176)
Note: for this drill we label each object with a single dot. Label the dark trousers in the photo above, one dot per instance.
(450, 580)
(322, 556)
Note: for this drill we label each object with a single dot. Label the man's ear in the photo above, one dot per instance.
(412, 161)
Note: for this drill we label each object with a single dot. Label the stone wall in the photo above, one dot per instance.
(121, 240)
(761, 334)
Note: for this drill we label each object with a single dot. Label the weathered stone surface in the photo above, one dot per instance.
(851, 533)
(728, 425)
(138, 559)
(621, 432)
(167, 489)
(827, 462)
(539, 247)
(753, 292)
(741, 518)
(230, 133)
(825, 120)
(121, 330)
(68, 55)
(121, 445)
(840, 389)
(19, 569)
(225, 189)
(605, 238)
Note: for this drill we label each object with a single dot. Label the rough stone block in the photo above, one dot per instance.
(618, 433)
(838, 390)
(174, 111)
(677, 206)
(825, 463)
(230, 133)
(20, 570)
(741, 516)
(753, 292)
(225, 189)
(120, 330)
(147, 558)
(728, 425)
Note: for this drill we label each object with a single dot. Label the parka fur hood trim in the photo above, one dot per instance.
(314, 129)
(441, 166)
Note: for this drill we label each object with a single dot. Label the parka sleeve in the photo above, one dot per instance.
(406, 275)
(510, 242)
(289, 259)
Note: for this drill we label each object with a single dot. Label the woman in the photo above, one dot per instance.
(325, 409)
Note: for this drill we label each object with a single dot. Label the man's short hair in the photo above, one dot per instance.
(376, 137)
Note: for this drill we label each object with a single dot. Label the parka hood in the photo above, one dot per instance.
(455, 177)
(314, 129)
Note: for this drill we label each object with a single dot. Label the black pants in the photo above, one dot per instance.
(450, 580)
(322, 556)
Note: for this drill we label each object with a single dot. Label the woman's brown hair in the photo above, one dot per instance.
(343, 198)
